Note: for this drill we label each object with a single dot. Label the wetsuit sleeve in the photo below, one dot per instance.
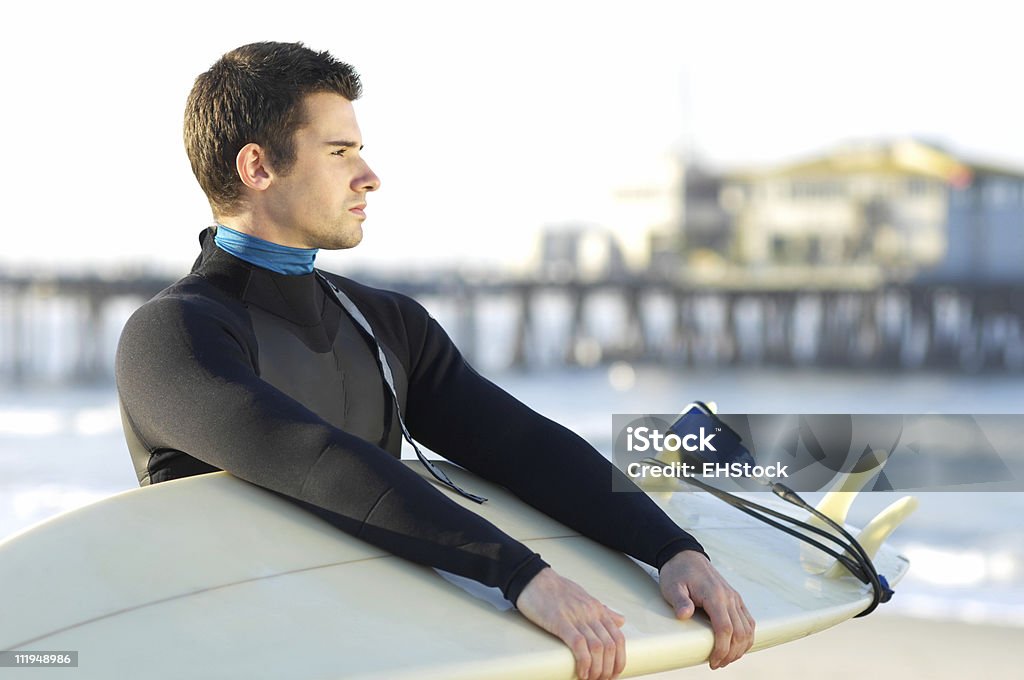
(468, 419)
(187, 382)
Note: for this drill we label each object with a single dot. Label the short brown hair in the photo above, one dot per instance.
(255, 94)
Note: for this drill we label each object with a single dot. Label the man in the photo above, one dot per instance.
(257, 364)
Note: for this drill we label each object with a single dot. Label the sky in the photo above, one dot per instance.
(485, 121)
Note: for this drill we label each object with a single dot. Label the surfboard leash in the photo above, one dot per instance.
(854, 557)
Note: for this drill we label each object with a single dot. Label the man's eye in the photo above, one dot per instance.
(339, 152)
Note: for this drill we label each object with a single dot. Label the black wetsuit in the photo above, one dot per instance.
(237, 368)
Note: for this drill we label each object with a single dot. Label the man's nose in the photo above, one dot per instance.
(367, 180)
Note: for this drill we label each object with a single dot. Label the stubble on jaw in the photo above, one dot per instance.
(340, 238)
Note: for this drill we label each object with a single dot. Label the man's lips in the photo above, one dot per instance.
(358, 209)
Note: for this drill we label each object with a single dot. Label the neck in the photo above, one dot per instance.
(266, 254)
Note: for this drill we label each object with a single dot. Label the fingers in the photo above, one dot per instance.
(746, 613)
(577, 643)
(600, 650)
(722, 626)
(619, 642)
(743, 635)
(751, 624)
(588, 627)
(733, 627)
(687, 581)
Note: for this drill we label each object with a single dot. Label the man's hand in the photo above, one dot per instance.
(689, 581)
(590, 629)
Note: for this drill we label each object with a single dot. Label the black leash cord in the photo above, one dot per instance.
(858, 562)
(881, 590)
(744, 505)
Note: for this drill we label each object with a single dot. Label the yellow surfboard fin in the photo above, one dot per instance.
(875, 533)
(836, 503)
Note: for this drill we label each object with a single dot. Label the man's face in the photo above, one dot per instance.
(320, 202)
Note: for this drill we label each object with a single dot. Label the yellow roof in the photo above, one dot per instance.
(904, 157)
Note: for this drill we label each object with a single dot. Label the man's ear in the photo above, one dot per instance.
(253, 168)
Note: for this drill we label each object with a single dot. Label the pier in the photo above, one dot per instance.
(56, 329)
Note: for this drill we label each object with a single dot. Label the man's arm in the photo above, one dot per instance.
(454, 410)
(474, 423)
(187, 380)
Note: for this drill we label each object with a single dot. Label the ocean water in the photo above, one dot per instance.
(61, 448)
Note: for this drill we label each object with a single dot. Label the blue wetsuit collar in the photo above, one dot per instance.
(272, 256)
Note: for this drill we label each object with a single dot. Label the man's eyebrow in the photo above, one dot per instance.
(344, 143)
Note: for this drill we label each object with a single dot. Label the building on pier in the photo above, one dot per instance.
(985, 229)
(904, 208)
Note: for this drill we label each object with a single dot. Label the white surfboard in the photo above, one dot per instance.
(211, 577)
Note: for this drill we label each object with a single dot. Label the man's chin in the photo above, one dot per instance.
(343, 242)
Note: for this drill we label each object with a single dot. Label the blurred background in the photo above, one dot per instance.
(786, 207)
